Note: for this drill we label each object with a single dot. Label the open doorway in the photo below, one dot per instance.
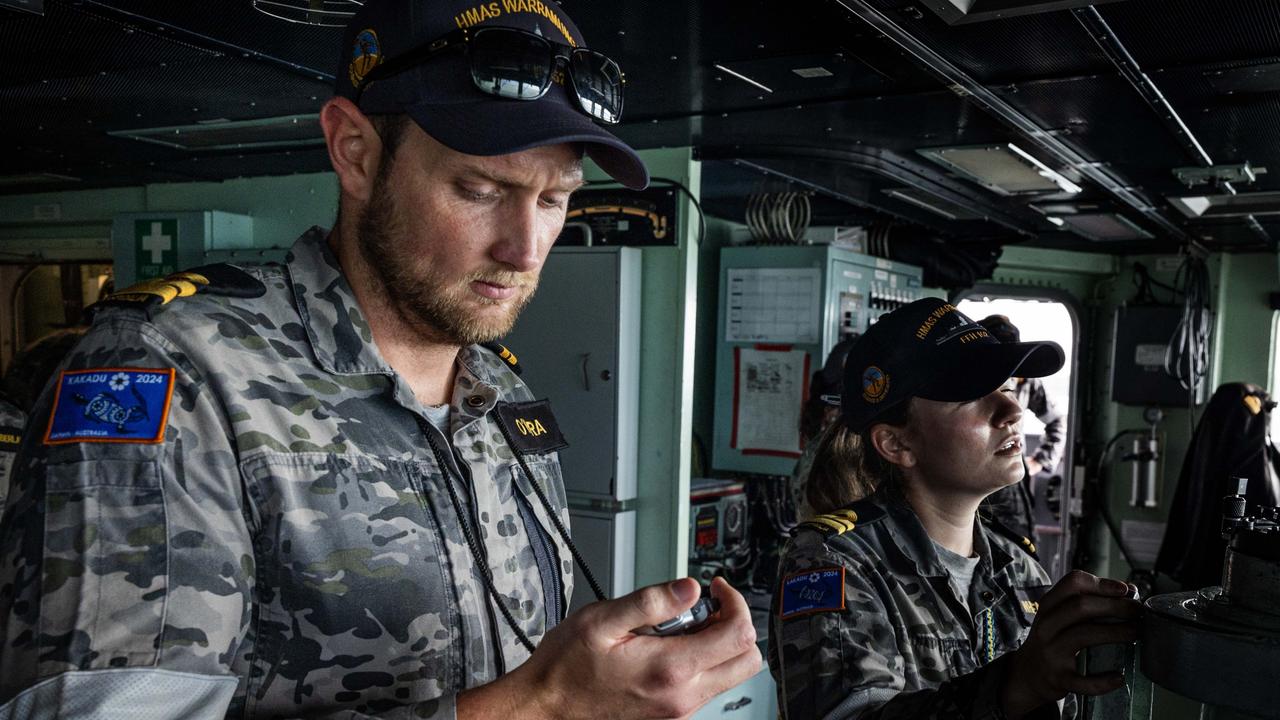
(1043, 318)
(42, 299)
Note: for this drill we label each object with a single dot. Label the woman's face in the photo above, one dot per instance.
(968, 447)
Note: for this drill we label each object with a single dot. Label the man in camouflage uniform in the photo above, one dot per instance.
(878, 614)
(12, 421)
(306, 490)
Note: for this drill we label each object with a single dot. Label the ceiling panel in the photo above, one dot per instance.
(158, 63)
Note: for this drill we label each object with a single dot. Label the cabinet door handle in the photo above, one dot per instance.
(737, 704)
(586, 381)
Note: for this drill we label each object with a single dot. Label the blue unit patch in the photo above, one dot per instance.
(818, 590)
(112, 405)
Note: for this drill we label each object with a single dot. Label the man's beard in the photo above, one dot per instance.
(417, 292)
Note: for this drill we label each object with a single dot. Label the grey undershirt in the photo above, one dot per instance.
(961, 569)
(438, 415)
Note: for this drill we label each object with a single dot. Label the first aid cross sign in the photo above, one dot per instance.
(157, 244)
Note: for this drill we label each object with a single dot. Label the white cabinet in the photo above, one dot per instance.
(578, 343)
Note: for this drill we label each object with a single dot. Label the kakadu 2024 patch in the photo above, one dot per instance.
(111, 405)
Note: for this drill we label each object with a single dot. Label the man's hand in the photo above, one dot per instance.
(1079, 612)
(593, 666)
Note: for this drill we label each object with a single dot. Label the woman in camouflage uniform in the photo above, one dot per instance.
(904, 604)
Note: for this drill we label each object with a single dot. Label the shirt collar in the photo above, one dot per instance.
(339, 335)
(909, 535)
(917, 547)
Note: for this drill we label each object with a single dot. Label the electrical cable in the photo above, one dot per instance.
(776, 218)
(1097, 479)
(702, 218)
(480, 558)
(1143, 281)
(551, 513)
(1187, 354)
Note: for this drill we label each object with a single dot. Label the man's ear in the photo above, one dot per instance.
(354, 147)
(891, 442)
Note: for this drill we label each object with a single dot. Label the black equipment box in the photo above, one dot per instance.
(637, 218)
(1141, 343)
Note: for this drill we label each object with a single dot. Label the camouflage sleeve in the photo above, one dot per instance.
(843, 663)
(126, 567)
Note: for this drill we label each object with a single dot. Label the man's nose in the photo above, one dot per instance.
(521, 238)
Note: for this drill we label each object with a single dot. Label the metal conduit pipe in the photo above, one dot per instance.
(875, 160)
(1128, 67)
(962, 84)
(209, 42)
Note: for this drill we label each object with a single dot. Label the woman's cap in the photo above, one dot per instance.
(442, 99)
(929, 349)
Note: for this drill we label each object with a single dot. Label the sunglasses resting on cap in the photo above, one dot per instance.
(519, 65)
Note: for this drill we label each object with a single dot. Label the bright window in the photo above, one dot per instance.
(1035, 320)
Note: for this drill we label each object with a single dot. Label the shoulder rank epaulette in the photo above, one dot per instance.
(508, 356)
(220, 279)
(838, 522)
(1018, 538)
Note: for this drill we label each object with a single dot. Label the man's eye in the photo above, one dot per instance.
(478, 195)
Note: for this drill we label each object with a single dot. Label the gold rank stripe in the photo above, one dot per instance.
(849, 515)
(196, 278)
(841, 521)
(507, 355)
(829, 523)
(183, 284)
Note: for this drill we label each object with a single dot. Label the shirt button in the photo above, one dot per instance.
(475, 401)
(988, 596)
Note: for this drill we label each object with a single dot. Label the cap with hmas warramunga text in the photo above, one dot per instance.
(931, 350)
(440, 96)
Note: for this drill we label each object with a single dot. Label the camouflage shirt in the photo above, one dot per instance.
(868, 624)
(12, 421)
(289, 546)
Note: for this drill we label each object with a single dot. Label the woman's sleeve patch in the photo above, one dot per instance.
(811, 591)
(111, 405)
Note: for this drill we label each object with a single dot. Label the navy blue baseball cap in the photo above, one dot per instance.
(929, 349)
(441, 97)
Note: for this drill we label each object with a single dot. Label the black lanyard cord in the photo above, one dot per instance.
(485, 575)
(551, 513)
